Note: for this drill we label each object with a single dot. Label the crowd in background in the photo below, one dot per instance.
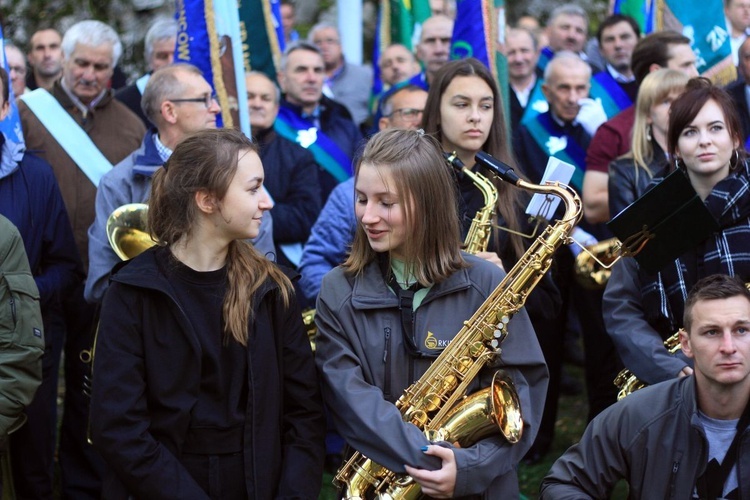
(598, 101)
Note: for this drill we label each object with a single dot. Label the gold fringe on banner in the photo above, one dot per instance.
(213, 37)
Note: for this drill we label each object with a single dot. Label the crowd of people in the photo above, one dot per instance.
(203, 383)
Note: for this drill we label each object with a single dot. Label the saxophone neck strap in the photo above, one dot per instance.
(405, 305)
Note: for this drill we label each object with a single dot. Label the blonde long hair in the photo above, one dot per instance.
(655, 88)
(208, 161)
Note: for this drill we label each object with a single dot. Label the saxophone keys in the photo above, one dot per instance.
(502, 318)
(476, 348)
(418, 418)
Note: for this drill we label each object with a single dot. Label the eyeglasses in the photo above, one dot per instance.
(407, 113)
(21, 70)
(207, 99)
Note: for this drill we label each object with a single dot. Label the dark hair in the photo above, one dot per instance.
(617, 19)
(686, 107)
(207, 160)
(508, 200)
(714, 287)
(427, 196)
(6, 84)
(654, 49)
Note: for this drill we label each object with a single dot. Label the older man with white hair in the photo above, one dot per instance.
(81, 130)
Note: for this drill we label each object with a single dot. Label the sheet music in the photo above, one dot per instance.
(544, 205)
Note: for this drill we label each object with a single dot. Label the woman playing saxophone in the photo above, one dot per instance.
(465, 113)
(398, 300)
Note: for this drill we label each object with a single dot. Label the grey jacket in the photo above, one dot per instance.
(364, 366)
(127, 184)
(639, 345)
(652, 439)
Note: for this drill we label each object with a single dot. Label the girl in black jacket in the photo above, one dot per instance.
(204, 379)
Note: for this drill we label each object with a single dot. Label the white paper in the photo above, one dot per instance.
(544, 205)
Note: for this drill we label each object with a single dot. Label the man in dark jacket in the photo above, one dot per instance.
(684, 438)
(178, 100)
(311, 119)
(30, 198)
(81, 130)
(291, 172)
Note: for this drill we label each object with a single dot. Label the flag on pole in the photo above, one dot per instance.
(209, 37)
(702, 21)
(263, 36)
(399, 21)
(486, 43)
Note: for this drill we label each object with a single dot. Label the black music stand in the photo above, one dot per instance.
(667, 221)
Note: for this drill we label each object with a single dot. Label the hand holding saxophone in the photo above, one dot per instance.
(437, 483)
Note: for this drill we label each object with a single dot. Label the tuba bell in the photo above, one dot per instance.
(127, 230)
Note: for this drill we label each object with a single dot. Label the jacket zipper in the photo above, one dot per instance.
(672, 477)
(387, 361)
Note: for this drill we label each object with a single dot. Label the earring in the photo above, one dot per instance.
(677, 163)
(736, 160)
(648, 133)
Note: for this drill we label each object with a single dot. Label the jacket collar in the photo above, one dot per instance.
(144, 271)
(370, 290)
(147, 158)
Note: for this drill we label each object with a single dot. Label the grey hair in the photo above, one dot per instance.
(321, 26)
(569, 9)
(162, 29)
(565, 58)
(298, 45)
(163, 85)
(277, 94)
(94, 33)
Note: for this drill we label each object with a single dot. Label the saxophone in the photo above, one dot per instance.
(627, 382)
(436, 403)
(478, 238)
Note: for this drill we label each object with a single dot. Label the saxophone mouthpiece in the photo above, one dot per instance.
(453, 160)
(503, 170)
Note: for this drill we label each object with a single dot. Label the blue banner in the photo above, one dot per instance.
(10, 127)
(702, 21)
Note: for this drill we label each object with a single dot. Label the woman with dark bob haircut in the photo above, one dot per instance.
(704, 141)
(398, 300)
(205, 385)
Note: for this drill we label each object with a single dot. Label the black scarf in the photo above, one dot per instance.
(725, 252)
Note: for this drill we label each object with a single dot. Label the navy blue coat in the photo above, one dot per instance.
(147, 374)
(30, 198)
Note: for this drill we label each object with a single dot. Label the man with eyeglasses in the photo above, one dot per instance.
(403, 107)
(17, 66)
(345, 82)
(82, 131)
(179, 101)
